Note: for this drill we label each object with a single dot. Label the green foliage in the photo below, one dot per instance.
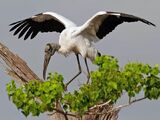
(37, 97)
(108, 83)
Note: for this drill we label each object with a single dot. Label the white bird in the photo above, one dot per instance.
(73, 38)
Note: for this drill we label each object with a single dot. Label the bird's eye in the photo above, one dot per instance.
(48, 48)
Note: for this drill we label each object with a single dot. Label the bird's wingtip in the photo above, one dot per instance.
(153, 24)
(15, 23)
(148, 22)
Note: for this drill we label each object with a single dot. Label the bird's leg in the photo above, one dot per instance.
(88, 74)
(80, 70)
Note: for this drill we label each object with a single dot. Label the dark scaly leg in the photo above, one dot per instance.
(80, 70)
(88, 73)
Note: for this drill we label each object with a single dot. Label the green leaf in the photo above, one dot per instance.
(113, 85)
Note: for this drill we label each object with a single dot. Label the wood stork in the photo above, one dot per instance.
(73, 38)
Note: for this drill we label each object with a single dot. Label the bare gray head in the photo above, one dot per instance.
(50, 49)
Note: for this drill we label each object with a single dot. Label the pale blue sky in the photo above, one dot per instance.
(129, 42)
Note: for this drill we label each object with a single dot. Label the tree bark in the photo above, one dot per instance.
(99, 113)
(17, 68)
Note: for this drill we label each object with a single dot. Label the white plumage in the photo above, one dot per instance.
(73, 38)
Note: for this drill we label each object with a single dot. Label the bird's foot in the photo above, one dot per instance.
(88, 79)
(65, 87)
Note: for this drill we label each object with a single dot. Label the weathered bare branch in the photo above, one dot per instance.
(15, 66)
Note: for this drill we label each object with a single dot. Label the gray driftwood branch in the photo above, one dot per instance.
(15, 66)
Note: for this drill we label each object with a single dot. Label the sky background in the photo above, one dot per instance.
(128, 42)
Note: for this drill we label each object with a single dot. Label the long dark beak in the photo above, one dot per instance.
(49, 51)
(47, 58)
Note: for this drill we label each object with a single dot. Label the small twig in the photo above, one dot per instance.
(62, 112)
(119, 107)
(65, 116)
(56, 110)
(51, 113)
(128, 104)
(137, 100)
(100, 105)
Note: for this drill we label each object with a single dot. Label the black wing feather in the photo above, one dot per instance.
(108, 26)
(16, 24)
(24, 30)
(112, 21)
(34, 33)
(31, 27)
(19, 28)
(29, 32)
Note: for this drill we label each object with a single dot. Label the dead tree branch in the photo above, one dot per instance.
(15, 66)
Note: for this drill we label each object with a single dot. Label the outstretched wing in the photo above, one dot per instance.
(103, 23)
(43, 22)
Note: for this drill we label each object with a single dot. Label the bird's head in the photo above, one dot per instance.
(50, 49)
